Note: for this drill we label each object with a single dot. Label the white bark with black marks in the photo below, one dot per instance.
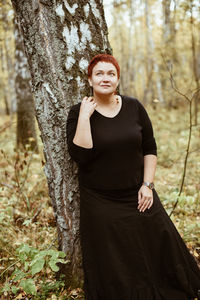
(60, 38)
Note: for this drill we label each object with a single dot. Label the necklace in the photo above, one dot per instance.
(116, 99)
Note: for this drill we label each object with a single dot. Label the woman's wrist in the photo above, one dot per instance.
(148, 184)
(84, 117)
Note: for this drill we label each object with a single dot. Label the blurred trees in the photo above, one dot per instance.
(147, 37)
(26, 134)
(150, 36)
(7, 74)
(15, 91)
(195, 55)
(153, 87)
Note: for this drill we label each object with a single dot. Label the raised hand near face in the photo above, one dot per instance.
(87, 107)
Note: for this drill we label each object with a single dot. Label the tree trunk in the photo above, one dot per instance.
(7, 110)
(169, 51)
(152, 65)
(7, 56)
(194, 65)
(26, 134)
(131, 53)
(2, 83)
(60, 39)
(120, 49)
(167, 24)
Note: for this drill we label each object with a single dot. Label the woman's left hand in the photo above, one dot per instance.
(145, 198)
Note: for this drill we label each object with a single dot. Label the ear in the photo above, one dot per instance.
(90, 82)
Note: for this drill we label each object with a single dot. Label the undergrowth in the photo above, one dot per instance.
(28, 244)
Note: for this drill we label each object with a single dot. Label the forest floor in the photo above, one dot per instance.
(26, 214)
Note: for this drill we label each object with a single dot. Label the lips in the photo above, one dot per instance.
(105, 85)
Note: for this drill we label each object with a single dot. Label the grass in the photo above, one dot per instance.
(26, 214)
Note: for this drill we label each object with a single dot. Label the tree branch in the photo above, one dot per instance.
(190, 100)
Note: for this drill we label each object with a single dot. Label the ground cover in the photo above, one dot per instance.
(26, 214)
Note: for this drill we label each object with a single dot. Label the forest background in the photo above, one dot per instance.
(157, 44)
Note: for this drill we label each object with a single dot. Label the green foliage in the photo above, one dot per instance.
(33, 224)
(32, 268)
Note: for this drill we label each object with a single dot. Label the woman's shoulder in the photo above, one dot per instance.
(133, 104)
(131, 101)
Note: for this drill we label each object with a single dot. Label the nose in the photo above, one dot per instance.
(105, 78)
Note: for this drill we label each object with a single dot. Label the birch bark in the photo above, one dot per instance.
(60, 38)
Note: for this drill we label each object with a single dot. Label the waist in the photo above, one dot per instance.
(112, 193)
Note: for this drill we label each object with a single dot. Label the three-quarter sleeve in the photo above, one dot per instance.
(148, 141)
(79, 154)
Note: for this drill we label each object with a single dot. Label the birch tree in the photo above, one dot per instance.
(131, 52)
(195, 61)
(26, 133)
(60, 37)
(152, 65)
(169, 47)
(7, 83)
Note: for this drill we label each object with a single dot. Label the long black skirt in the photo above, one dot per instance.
(132, 255)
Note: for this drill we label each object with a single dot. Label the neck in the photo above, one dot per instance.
(104, 99)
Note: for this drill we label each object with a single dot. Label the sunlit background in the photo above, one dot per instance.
(157, 44)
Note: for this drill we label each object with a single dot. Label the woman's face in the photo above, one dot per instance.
(104, 79)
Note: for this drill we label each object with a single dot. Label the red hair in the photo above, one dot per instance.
(103, 57)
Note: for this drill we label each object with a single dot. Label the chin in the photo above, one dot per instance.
(104, 92)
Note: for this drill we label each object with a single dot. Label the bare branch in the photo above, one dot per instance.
(190, 100)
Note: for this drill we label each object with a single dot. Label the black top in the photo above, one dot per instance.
(116, 160)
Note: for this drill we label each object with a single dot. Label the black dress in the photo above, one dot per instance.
(127, 254)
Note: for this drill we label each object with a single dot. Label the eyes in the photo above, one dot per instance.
(112, 74)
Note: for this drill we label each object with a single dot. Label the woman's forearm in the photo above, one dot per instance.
(83, 136)
(150, 162)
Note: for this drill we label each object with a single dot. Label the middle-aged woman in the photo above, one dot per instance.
(131, 249)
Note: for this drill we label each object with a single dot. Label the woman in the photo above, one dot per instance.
(131, 249)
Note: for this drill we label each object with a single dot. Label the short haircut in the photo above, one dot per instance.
(103, 57)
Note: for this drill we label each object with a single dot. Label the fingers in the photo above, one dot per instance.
(145, 198)
(139, 197)
(88, 106)
(144, 202)
(89, 99)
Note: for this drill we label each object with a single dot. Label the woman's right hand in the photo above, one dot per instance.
(87, 107)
